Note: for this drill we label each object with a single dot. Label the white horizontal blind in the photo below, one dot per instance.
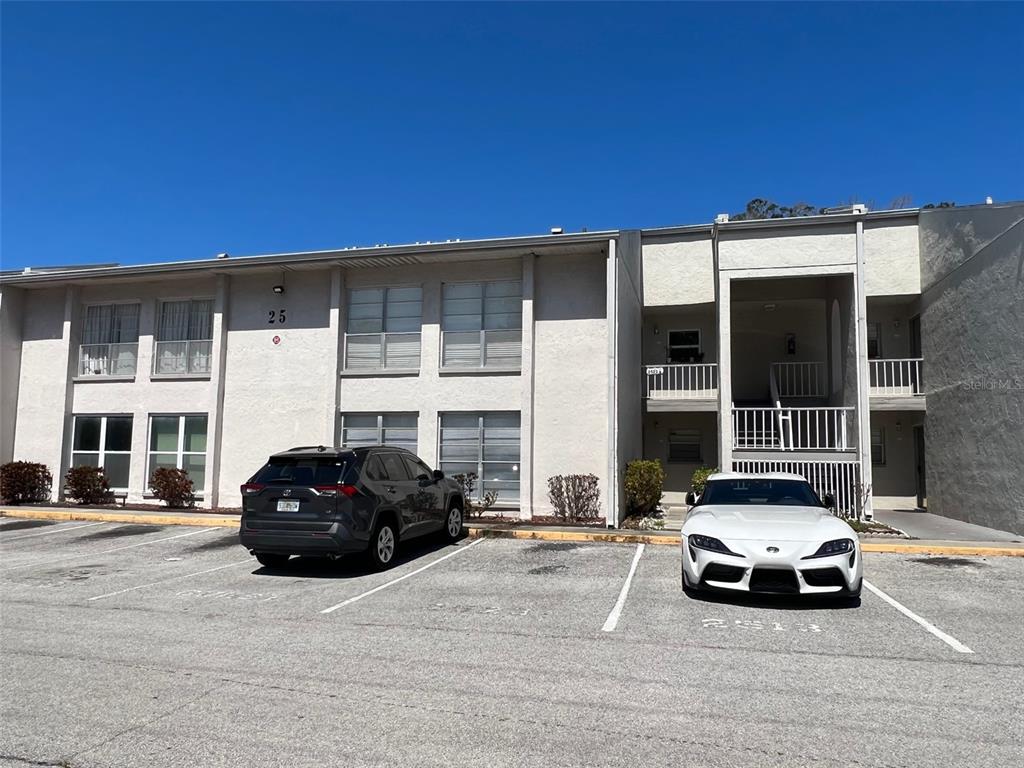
(684, 445)
(384, 328)
(482, 324)
(365, 429)
(487, 444)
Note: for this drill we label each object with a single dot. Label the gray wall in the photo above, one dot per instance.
(629, 315)
(972, 336)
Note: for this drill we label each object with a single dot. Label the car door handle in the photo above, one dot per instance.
(390, 488)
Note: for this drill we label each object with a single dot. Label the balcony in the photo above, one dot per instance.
(800, 379)
(387, 351)
(681, 386)
(896, 384)
(109, 360)
(794, 429)
(182, 358)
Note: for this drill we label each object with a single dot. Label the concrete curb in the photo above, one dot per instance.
(961, 549)
(102, 516)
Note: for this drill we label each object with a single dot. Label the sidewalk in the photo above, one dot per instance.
(926, 525)
(936, 546)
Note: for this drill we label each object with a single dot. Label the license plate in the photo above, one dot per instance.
(288, 506)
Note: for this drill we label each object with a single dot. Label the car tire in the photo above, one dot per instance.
(383, 546)
(453, 522)
(272, 559)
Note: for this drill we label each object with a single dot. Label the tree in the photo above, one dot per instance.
(943, 204)
(759, 208)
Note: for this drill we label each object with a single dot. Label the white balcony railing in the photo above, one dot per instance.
(182, 357)
(108, 359)
(685, 381)
(793, 429)
(897, 377)
(379, 351)
(800, 379)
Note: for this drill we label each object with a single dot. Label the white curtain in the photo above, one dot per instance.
(97, 325)
(173, 321)
(200, 324)
(124, 328)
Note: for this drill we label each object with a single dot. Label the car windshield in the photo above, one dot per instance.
(790, 493)
(302, 471)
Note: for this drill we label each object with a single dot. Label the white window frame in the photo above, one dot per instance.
(483, 364)
(102, 453)
(480, 482)
(669, 346)
(878, 461)
(380, 425)
(877, 328)
(109, 344)
(700, 446)
(180, 453)
(157, 341)
(383, 320)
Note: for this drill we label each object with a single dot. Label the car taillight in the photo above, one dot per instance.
(334, 490)
(248, 489)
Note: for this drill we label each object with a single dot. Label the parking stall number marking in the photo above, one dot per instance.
(756, 625)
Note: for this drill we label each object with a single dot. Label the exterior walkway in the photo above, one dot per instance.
(925, 525)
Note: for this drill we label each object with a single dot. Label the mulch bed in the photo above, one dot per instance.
(134, 508)
(599, 522)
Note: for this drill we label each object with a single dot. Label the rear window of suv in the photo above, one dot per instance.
(303, 471)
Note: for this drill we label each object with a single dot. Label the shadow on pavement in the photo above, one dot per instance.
(775, 602)
(354, 566)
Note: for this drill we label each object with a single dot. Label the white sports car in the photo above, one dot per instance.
(768, 534)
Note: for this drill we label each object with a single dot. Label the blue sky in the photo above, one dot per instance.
(152, 132)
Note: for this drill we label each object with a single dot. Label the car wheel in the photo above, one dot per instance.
(271, 559)
(453, 523)
(383, 546)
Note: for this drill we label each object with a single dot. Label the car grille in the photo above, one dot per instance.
(773, 580)
(719, 572)
(824, 577)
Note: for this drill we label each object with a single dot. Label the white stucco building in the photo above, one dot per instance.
(756, 344)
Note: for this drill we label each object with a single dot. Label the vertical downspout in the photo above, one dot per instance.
(612, 312)
(724, 367)
(863, 380)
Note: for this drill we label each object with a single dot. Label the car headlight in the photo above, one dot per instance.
(710, 544)
(831, 548)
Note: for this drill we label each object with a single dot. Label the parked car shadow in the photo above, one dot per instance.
(775, 602)
(354, 566)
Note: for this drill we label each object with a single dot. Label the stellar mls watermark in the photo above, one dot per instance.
(1009, 384)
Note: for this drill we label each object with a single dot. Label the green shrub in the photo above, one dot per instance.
(575, 497)
(173, 487)
(24, 481)
(474, 507)
(700, 478)
(645, 482)
(87, 485)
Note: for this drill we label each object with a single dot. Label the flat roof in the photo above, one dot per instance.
(424, 253)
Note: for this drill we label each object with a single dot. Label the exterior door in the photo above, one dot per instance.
(919, 473)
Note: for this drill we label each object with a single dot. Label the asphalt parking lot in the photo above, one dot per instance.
(130, 645)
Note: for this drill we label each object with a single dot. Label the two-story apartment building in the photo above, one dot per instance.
(798, 344)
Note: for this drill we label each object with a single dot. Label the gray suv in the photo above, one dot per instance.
(334, 501)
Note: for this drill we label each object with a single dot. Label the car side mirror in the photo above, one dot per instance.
(691, 498)
(438, 475)
(829, 500)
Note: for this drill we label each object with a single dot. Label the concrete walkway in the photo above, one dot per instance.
(925, 525)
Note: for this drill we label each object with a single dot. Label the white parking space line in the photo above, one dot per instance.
(375, 590)
(173, 578)
(46, 533)
(952, 642)
(613, 618)
(106, 551)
